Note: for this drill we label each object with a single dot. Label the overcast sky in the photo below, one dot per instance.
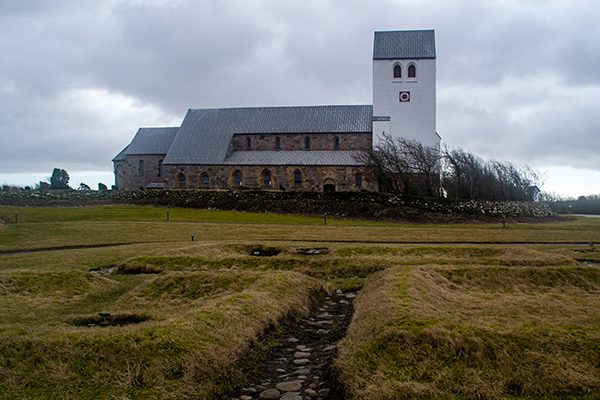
(517, 80)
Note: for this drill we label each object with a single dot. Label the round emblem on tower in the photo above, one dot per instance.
(404, 97)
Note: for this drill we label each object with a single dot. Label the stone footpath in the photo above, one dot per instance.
(300, 367)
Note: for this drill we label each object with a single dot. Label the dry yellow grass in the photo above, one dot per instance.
(475, 332)
(473, 307)
(200, 324)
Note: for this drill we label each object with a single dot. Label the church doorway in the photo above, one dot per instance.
(329, 186)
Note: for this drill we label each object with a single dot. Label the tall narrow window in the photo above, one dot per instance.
(297, 178)
(266, 177)
(277, 143)
(205, 180)
(358, 179)
(336, 143)
(181, 179)
(237, 178)
(307, 143)
(141, 168)
(160, 168)
(412, 71)
(397, 71)
(248, 143)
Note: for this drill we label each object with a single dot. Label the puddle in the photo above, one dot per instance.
(313, 251)
(107, 319)
(264, 251)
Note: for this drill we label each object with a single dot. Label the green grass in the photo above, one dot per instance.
(92, 226)
(474, 307)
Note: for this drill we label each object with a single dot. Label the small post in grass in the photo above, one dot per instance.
(192, 237)
(16, 218)
(504, 222)
(168, 216)
(325, 219)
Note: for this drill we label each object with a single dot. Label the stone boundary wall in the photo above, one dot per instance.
(356, 205)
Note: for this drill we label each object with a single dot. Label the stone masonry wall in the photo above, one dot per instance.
(119, 171)
(318, 141)
(282, 177)
(368, 205)
(131, 178)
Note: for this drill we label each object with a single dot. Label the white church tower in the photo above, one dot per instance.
(404, 85)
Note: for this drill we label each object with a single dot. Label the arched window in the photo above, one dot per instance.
(329, 185)
(160, 168)
(266, 177)
(141, 168)
(397, 71)
(307, 143)
(336, 142)
(358, 179)
(248, 143)
(412, 71)
(205, 180)
(297, 178)
(237, 178)
(277, 143)
(182, 181)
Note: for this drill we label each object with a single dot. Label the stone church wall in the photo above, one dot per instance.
(281, 177)
(127, 173)
(119, 171)
(296, 141)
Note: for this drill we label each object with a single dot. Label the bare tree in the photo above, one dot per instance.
(405, 166)
(463, 174)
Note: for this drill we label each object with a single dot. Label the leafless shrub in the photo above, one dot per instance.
(407, 166)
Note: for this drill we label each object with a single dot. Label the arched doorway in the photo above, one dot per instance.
(329, 185)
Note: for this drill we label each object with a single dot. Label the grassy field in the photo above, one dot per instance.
(476, 332)
(436, 318)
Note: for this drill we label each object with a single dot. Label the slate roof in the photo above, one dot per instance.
(205, 134)
(121, 155)
(152, 141)
(404, 44)
(299, 157)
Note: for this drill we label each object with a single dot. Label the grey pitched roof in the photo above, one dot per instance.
(121, 155)
(300, 157)
(205, 134)
(152, 141)
(404, 44)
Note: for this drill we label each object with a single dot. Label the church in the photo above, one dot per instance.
(300, 148)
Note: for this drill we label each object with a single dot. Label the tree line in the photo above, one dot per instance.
(582, 205)
(59, 180)
(408, 167)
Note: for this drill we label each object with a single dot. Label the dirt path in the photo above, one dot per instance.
(298, 366)
(383, 242)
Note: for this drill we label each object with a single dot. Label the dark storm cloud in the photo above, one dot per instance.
(516, 80)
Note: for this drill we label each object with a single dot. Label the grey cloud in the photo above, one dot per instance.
(167, 56)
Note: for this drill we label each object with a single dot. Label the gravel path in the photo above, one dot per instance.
(299, 366)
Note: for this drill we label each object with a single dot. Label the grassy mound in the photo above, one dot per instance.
(475, 333)
(195, 326)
